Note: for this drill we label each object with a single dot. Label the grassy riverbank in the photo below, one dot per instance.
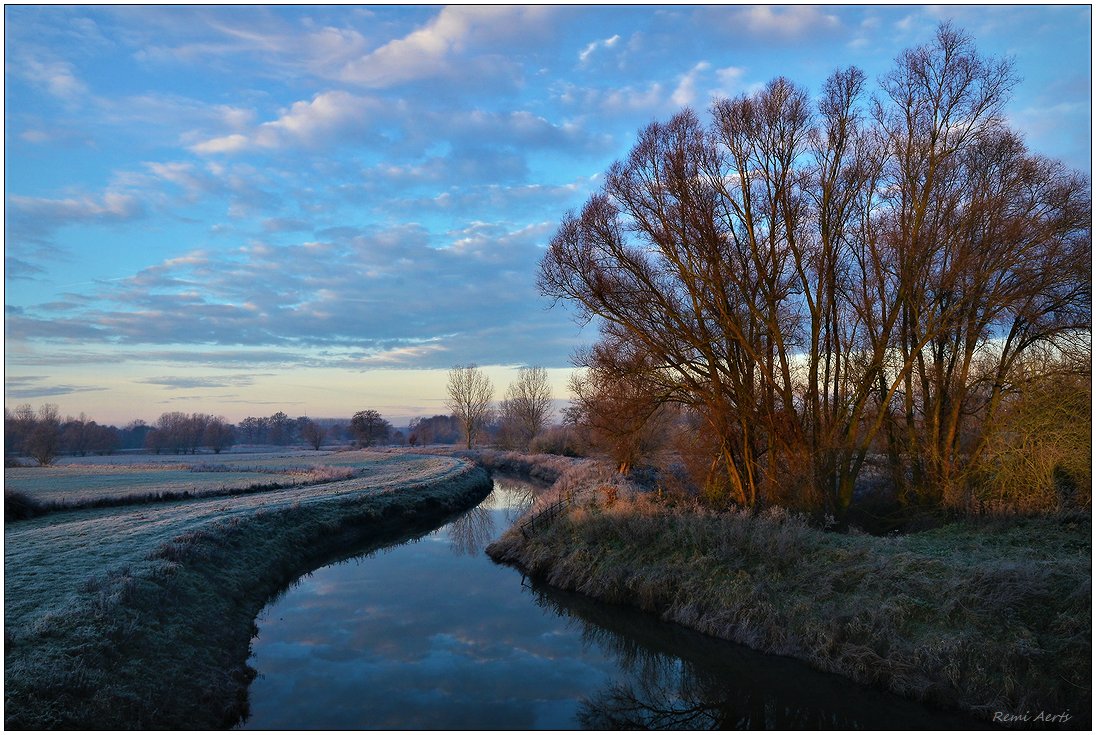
(986, 617)
(142, 617)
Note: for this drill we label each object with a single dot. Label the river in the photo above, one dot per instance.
(431, 634)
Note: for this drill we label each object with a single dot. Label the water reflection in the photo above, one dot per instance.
(472, 531)
(671, 677)
(433, 635)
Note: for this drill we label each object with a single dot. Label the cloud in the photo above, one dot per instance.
(685, 93)
(36, 218)
(443, 46)
(22, 386)
(175, 382)
(19, 269)
(729, 80)
(326, 118)
(518, 128)
(616, 101)
(285, 47)
(109, 207)
(593, 46)
(55, 76)
(286, 224)
(402, 356)
(517, 200)
(788, 22)
(223, 144)
(365, 297)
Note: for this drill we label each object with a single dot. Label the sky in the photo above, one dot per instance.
(320, 209)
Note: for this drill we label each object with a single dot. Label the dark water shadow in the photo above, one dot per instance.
(675, 678)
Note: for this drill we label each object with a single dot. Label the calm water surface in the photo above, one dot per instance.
(432, 634)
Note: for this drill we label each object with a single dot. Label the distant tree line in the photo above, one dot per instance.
(43, 436)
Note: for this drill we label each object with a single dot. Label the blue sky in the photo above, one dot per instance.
(239, 210)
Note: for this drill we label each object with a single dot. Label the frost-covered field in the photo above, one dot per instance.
(80, 479)
(139, 615)
(49, 559)
(258, 453)
(76, 483)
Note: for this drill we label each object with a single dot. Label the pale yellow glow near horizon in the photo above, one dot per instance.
(121, 395)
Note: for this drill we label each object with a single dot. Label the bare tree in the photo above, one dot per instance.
(525, 410)
(810, 282)
(470, 392)
(18, 425)
(312, 433)
(218, 434)
(44, 442)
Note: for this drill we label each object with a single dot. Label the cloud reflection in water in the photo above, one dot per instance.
(436, 636)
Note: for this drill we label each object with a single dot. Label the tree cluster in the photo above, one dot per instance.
(821, 284)
(43, 436)
(183, 433)
(276, 429)
(437, 429)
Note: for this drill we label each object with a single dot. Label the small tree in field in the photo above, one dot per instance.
(313, 433)
(369, 427)
(44, 442)
(470, 392)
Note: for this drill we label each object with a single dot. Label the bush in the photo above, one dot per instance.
(565, 441)
(1038, 455)
(20, 506)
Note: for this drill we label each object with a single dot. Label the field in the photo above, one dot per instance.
(93, 590)
(88, 479)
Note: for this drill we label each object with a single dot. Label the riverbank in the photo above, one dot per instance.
(159, 637)
(987, 617)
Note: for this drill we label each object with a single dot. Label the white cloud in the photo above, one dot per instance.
(325, 117)
(434, 49)
(224, 144)
(729, 81)
(786, 22)
(685, 93)
(593, 46)
(235, 117)
(57, 77)
(630, 99)
(110, 206)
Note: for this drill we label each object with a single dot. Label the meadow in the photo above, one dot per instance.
(108, 609)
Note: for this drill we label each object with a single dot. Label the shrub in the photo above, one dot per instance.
(20, 506)
(1038, 454)
(565, 441)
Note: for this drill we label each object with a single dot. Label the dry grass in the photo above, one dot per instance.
(981, 616)
(546, 468)
(142, 617)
